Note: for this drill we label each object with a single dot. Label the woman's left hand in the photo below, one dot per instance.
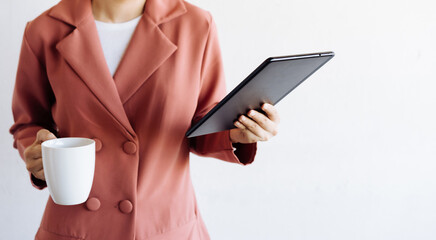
(257, 126)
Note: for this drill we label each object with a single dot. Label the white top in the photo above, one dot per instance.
(114, 39)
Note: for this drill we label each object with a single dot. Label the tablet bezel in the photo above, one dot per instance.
(251, 76)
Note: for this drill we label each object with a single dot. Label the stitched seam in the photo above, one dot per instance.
(168, 230)
(61, 235)
(30, 47)
(198, 225)
(206, 47)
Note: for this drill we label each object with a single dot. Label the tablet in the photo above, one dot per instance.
(275, 78)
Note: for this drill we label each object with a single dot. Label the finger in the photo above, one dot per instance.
(253, 127)
(271, 112)
(263, 121)
(36, 152)
(32, 152)
(239, 125)
(44, 135)
(249, 136)
(38, 165)
(246, 136)
(34, 166)
(40, 174)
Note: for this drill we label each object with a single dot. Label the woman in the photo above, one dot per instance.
(72, 81)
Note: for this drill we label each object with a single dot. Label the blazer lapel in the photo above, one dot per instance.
(82, 50)
(148, 49)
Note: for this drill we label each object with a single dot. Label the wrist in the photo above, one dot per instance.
(232, 136)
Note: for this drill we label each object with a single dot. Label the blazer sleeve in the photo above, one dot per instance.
(213, 89)
(31, 102)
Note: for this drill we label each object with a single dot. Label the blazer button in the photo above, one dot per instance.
(93, 204)
(126, 206)
(98, 144)
(129, 147)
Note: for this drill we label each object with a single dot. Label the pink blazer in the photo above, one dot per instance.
(170, 76)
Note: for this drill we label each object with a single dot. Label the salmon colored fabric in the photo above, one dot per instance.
(170, 76)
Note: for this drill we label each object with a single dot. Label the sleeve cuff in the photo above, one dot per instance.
(22, 140)
(37, 183)
(241, 153)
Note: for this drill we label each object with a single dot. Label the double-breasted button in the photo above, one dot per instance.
(129, 147)
(93, 204)
(98, 144)
(126, 206)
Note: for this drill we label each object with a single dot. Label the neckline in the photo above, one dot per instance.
(119, 24)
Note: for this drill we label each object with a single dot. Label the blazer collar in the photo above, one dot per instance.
(75, 12)
(148, 49)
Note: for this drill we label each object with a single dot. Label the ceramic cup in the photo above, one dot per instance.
(69, 168)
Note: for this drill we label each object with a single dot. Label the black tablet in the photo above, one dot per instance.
(275, 78)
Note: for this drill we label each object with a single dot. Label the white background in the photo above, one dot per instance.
(356, 149)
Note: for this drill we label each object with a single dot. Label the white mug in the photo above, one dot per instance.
(69, 165)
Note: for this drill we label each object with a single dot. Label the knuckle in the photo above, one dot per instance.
(40, 133)
(44, 134)
(250, 125)
(26, 153)
(29, 152)
(29, 167)
(261, 120)
(244, 134)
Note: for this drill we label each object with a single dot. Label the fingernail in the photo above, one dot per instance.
(251, 113)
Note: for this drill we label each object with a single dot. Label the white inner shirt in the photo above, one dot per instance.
(114, 39)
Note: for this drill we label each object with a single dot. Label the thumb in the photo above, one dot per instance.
(44, 135)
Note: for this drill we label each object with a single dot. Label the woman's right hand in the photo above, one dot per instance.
(33, 154)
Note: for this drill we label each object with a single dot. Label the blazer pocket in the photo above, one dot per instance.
(43, 234)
